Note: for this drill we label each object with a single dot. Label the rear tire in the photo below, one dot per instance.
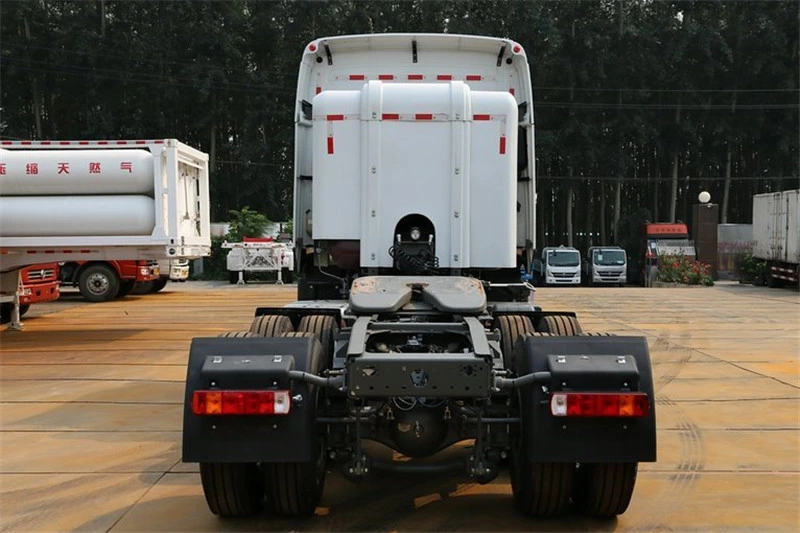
(271, 325)
(144, 287)
(604, 490)
(540, 489)
(295, 489)
(236, 334)
(233, 490)
(98, 283)
(559, 325)
(511, 327)
(125, 287)
(323, 327)
(7, 307)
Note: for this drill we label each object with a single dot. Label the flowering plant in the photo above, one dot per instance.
(680, 269)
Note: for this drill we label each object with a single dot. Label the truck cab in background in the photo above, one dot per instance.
(663, 238)
(39, 283)
(605, 265)
(101, 281)
(557, 266)
(169, 270)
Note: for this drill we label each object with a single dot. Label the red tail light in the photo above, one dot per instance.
(241, 402)
(628, 404)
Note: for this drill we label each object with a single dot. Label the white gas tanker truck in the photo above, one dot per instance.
(84, 201)
(414, 210)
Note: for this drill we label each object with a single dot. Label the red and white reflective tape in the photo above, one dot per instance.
(50, 252)
(408, 77)
(139, 142)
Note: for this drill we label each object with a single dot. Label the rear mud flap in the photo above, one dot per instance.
(590, 364)
(239, 439)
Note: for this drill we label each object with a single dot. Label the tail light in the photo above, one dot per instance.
(241, 402)
(599, 404)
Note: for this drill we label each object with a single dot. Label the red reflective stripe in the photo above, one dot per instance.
(415, 76)
(502, 145)
(474, 77)
(319, 89)
(511, 90)
(390, 116)
(159, 141)
(45, 143)
(444, 77)
(64, 143)
(7, 142)
(334, 117)
(26, 143)
(357, 77)
(83, 143)
(481, 117)
(86, 251)
(102, 142)
(423, 116)
(330, 144)
(386, 76)
(141, 142)
(122, 142)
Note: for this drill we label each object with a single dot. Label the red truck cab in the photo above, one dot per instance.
(39, 284)
(663, 238)
(101, 281)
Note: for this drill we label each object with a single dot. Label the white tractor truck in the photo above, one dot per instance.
(414, 211)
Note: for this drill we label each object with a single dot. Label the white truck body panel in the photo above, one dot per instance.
(92, 211)
(776, 226)
(443, 149)
(366, 76)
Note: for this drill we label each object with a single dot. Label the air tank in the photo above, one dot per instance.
(57, 216)
(75, 172)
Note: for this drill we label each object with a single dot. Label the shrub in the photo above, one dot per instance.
(680, 269)
(754, 270)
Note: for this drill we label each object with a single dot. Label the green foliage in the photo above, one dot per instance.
(754, 270)
(679, 269)
(246, 223)
(215, 265)
(288, 228)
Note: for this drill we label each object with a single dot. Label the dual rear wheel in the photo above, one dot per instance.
(284, 489)
(544, 489)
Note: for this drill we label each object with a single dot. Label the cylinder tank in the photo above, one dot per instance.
(46, 216)
(76, 172)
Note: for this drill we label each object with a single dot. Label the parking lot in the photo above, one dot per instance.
(91, 406)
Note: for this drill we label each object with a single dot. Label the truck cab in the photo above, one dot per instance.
(39, 283)
(558, 266)
(605, 265)
(414, 209)
(663, 238)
